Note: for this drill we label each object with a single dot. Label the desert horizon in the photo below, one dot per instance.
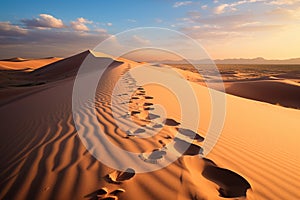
(255, 60)
(152, 100)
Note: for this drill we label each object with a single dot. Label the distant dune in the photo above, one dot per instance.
(42, 156)
(279, 85)
(259, 60)
(25, 64)
(292, 61)
(275, 92)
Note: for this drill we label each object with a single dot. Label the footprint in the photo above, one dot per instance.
(157, 154)
(102, 191)
(129, 134)
(191, 134)
(109, 198)
(152, 116)
(171, 122)
(148, 108)
(158, 126)
(167, 137)
(135, 112)
(140, 130)
(118, 177)
(162, 143)
(135, 98)
(99, 194)
(186, 148)
(148, 104)
(148, 97)
(231, 184)
(117, 191)
(103, 194)
(154, 157)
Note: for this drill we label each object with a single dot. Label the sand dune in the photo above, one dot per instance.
(25, 64)
(271, 84)
(275, 92)
(68, 67)
(42, 156)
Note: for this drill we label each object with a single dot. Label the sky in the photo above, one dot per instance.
(225, 29)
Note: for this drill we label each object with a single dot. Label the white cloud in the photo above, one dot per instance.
(284, 14)
(44, 21)
(109, 24)
(7, 29)
(80, 24)
(204, 7)
(45, 42)
(101, 30)
(283, 2)
(196, 27)
(220, 9)
(182, 3)
(232, 7)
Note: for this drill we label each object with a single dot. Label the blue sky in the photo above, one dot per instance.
(227, 29)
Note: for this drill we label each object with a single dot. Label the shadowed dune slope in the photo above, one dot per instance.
(70, 66)
(274, 92)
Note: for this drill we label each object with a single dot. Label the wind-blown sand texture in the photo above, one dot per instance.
(42, 156)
